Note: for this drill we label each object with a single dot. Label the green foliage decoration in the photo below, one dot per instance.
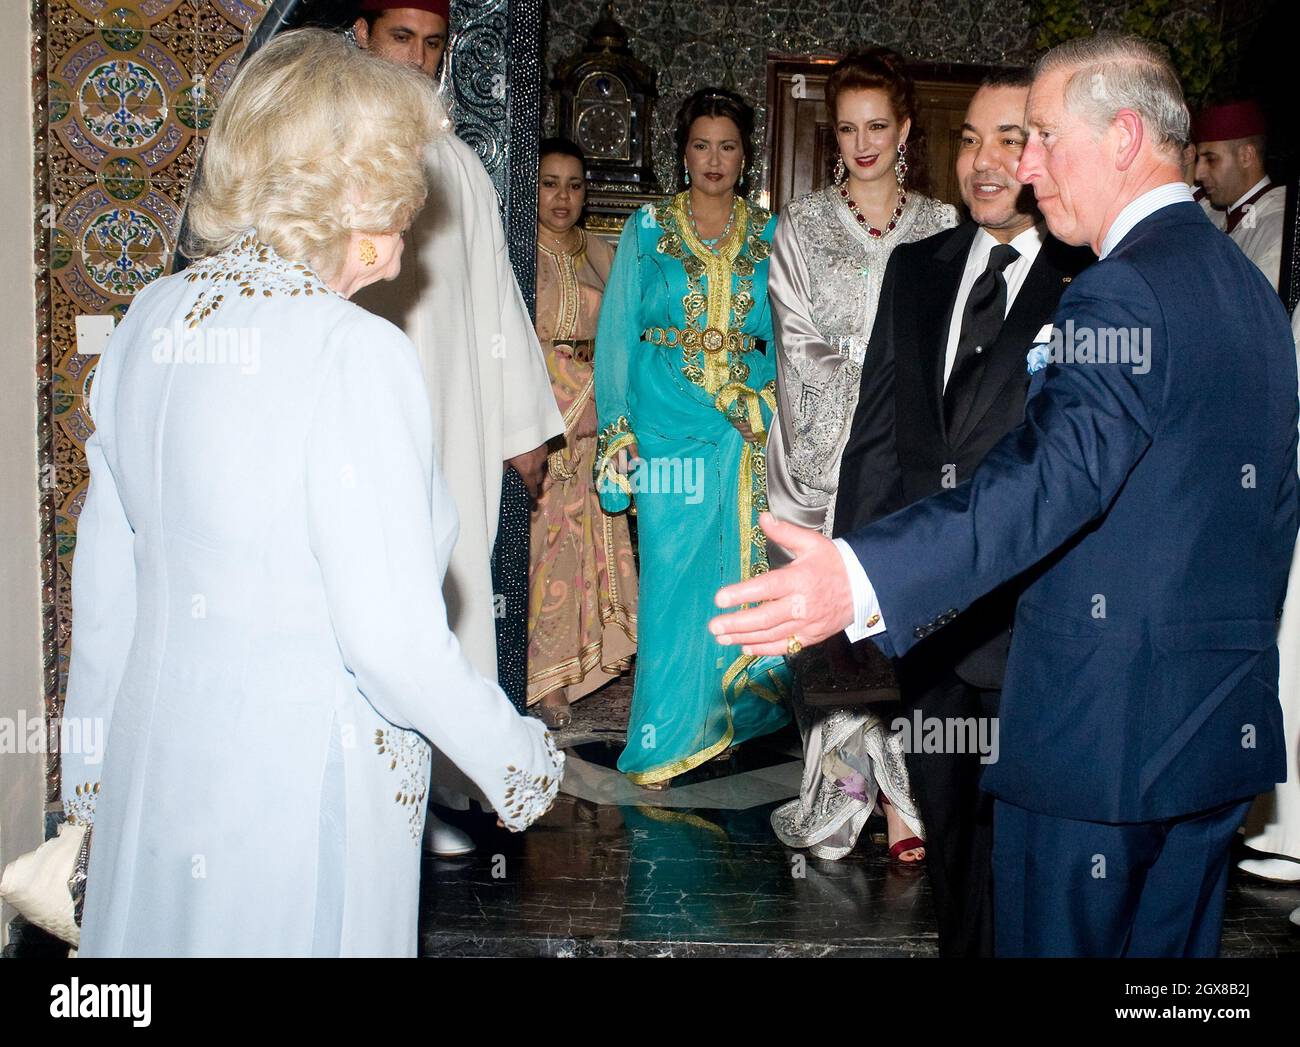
(1205, 62)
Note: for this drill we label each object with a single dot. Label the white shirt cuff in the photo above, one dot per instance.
(867, 620)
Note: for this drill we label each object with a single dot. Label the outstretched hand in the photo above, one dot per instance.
(809, 600)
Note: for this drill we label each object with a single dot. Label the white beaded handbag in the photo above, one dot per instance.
(47, 885)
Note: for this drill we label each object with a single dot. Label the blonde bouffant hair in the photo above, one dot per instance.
(314, 140)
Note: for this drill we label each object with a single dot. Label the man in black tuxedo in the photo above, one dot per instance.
(958, 312)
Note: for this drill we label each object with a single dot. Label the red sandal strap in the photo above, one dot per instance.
(912, 843)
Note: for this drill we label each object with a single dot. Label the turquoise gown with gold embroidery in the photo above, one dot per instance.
(676, 360)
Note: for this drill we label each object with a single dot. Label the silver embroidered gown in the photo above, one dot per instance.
(825, 280)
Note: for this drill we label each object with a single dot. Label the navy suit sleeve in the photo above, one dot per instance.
(870, 479)
(1083, 433)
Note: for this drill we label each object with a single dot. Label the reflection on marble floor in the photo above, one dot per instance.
(647, 874)
(696, 871)
(728, 785)
(605, 880)
(592, 880)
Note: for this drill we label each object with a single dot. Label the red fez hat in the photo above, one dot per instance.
(434, 7)
(1228, 122)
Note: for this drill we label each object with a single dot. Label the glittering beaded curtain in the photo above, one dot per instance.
(496, 80)
(496, 87)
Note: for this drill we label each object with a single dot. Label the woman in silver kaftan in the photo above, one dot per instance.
(827, 268)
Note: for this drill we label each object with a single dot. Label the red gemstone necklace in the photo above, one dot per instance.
(862, 219)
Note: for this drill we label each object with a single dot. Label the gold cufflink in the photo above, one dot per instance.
(873, 620)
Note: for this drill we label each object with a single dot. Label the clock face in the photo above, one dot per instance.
(602, 131)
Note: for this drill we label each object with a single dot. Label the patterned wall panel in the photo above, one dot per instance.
(125, 91)
(726, 42)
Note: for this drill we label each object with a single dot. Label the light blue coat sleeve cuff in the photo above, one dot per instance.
(867, 620)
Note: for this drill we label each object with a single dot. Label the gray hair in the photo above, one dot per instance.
(1116, 71)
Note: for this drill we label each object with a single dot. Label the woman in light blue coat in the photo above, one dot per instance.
(257, 604)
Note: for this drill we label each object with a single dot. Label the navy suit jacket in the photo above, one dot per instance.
(1160, 510)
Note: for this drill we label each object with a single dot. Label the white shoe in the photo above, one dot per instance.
(1275, 870)
(443, 840)
(1295, 916)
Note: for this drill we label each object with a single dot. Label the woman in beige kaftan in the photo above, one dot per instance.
(582, 585)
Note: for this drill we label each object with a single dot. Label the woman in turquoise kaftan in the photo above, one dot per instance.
(683, 354)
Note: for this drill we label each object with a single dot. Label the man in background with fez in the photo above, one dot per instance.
(493, 409)
(1231, 144)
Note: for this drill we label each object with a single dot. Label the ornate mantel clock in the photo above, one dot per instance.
(604, 96)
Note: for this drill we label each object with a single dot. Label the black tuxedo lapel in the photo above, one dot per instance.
(1034, 306)
(942, 276)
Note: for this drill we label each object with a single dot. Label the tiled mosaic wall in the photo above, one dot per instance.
(125, 91)
(696, 44)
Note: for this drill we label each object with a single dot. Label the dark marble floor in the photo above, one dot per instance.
(642, 881)
(633, 880)
(629, 879)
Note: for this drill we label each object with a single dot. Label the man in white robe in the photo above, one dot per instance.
(1231, 146)
(1273, 825)
(458, 301)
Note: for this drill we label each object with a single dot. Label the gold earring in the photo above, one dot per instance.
(369, 256)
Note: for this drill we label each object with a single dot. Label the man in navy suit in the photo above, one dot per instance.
(1152, 492)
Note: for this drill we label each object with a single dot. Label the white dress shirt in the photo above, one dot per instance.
(1144, 206)
(1027, 244)
(867, 618)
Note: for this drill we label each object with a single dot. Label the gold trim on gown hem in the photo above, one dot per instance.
(582, 626)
